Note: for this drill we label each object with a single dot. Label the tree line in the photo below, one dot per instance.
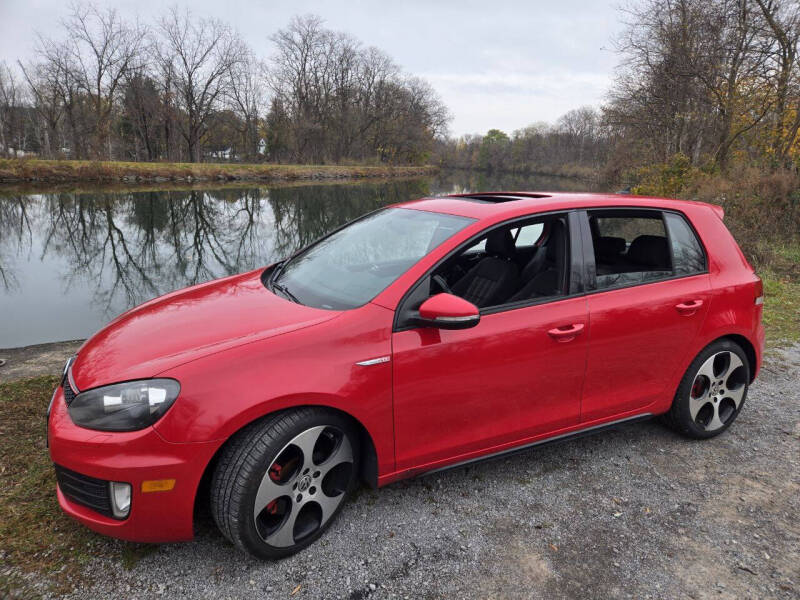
(704, 83)
(710, 84)
(185, 88)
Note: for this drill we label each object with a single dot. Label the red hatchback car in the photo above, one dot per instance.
(421, 336)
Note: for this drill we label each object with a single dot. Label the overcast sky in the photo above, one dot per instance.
(495, 63)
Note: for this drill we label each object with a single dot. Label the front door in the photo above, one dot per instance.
(518, 373)
(506, 379)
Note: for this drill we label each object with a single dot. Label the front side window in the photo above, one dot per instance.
(510, 264)
(630, 247)
(353, 265)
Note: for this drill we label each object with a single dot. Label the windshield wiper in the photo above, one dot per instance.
(282, 289)
(276, 272)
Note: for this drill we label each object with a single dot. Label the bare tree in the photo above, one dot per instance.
(103, 48)
(200, 53)
(246, 96)
(46, 104)
(11, 129)
(783, 28)
(337, 100)
(55, 78)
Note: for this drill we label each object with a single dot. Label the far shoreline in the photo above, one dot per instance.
(35, 171)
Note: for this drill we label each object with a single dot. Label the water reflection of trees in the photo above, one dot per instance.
(15, 233)
(305, 214)
(128, 247)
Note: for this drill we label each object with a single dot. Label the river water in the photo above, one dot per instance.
(70, 262)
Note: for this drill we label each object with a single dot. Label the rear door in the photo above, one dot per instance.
(648, 295)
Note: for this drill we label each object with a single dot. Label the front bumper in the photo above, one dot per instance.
(131, 457)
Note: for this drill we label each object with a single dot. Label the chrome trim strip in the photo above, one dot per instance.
(759, 300)
(456, 319)
(373, 361)
(536, 443)
(68, 374)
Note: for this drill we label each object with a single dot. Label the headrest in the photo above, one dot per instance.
(500, 243)
(555, 242)
(608, 246)
(650, 251)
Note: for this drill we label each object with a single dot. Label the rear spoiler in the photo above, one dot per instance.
(720, 212)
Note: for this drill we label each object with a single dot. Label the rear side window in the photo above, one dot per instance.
(687, 253)
(630, 247)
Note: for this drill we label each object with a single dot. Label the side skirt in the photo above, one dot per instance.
(564, 437)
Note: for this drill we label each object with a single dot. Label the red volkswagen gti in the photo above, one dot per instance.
(421, 336)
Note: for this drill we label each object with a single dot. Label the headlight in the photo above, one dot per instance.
(124, 406)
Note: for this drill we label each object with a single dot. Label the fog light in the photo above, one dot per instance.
(120, 499)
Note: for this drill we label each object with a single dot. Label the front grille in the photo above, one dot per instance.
(69, 393)
(84, 490)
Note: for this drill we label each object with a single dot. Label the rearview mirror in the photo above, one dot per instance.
(446, 311)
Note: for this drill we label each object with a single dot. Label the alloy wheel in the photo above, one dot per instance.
(303, 486)
(717, 390)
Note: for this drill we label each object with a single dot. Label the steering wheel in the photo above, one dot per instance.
(442, 283)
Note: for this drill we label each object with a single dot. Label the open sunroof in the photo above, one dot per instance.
(498, 198)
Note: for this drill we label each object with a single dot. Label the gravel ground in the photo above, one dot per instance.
(637, 512)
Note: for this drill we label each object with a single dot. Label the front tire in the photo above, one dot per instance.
(280, 482)
(712, 392)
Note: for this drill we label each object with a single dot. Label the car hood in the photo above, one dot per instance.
(186, 325)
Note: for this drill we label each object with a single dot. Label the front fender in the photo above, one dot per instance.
(316, 366)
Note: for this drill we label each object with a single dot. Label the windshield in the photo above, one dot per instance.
(352, 266)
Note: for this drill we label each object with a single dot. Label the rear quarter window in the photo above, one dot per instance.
(688, 257)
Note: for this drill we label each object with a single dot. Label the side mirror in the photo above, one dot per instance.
(446, 311)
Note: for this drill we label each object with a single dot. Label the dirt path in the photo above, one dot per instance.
(30, 361)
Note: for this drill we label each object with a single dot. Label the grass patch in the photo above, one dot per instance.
(16, 170)
(42, 551)
(781, 309)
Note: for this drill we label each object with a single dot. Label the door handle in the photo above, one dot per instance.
(566, 333)
(688, 308)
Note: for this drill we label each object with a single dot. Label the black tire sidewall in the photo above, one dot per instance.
(680, 414)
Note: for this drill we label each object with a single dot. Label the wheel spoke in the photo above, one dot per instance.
(306, 442)
(734, 363)
(707, 369)
(268, 491)
(342, 454)
(695, 404)
(284, 536)
(736, 394)
(715, 422)
(328, 504)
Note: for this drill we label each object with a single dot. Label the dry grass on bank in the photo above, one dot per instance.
(42, 551)
(13, 170)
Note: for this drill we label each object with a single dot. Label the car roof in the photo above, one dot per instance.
(499, 206)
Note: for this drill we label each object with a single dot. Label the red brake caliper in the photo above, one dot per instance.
(274, 475)
(275, 472)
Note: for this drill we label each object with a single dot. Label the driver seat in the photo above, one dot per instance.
(495, 277)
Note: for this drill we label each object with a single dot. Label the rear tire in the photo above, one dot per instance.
(712, 391)
(281, 481)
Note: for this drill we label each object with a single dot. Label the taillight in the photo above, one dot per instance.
(759, 292)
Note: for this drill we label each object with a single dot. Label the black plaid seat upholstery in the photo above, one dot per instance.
(495, 277)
